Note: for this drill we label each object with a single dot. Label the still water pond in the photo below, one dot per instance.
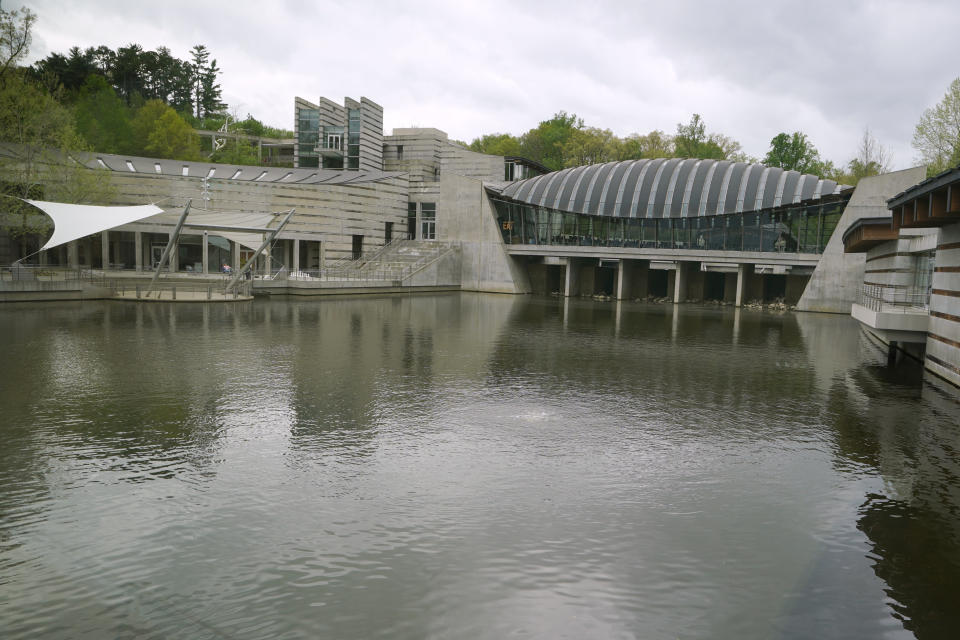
(468, 466)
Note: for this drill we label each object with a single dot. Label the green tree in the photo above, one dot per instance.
(544, 144)
(198, 69)
(692, 141)
(210, 99)
(16, 29)
(590, 145)
(159, 131)
(40, 164)
(497, 144)
(937, 135)
(793, 152)
(236, 151)
(101, 117)
(655, 144)
(872, 158)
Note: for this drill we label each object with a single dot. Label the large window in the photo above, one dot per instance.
(428, 220)
(353, 138)
(412, 220)
(308, 136)
(793, 229)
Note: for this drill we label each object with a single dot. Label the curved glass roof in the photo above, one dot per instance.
(668, 188)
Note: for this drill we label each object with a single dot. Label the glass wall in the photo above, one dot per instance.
(308, 136)
(353, 138)
(789, 229)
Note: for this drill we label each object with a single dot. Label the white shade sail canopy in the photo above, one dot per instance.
(73, 221)
(202, 218)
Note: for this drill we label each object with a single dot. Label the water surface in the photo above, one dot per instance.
(468, 466)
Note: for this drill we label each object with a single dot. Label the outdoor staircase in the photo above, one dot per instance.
(405, 257)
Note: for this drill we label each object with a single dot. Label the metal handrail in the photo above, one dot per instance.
(895, 299)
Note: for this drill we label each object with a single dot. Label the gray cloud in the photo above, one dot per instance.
(751, 68)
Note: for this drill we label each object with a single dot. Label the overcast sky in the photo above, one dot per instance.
(752, 69)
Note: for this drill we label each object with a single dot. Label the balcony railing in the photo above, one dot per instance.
(892, 299)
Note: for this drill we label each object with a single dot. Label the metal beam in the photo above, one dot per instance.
(266, 241)
(166, 252)
(225, 227)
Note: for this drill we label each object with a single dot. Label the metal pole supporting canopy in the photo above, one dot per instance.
(269, 238)
(166, 252)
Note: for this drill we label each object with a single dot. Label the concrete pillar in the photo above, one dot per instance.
(266, 260)
(138, 252)
(295, 265)
(234, 256)
(571, 285)
(625, 272)
(741, 283)
(73, 254)
(587, 278)
(206, 258)
(680, 283)
(641, 280)
(104, 250)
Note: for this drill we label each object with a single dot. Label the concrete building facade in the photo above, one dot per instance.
(909, 298)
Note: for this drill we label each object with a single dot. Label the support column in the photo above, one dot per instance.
(296, 255)
(892, 353)
(206, 258)
(104, 250)
(174, 259)
(73, 254)
(624, 280)
(741, 283)
(680, 283)
(234, 256)
(138, 253)
(266, 260)
(571, 285)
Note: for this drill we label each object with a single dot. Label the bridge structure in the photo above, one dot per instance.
(670, 228)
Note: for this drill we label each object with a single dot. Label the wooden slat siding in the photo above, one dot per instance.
(945, 316)
(947, 269)
(895, 270)
(952, 343)
(949, 245)
(946, 292)
(945, 365)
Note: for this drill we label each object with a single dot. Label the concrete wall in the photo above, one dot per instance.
(371, 135)
(421, 154)
(466, 215)
(833, 286)
(331, 214)
(428, 154)
(463, 162)
(445, 271)
(943, 337)
(889, 264)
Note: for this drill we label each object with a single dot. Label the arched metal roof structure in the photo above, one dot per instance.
(668, 188)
